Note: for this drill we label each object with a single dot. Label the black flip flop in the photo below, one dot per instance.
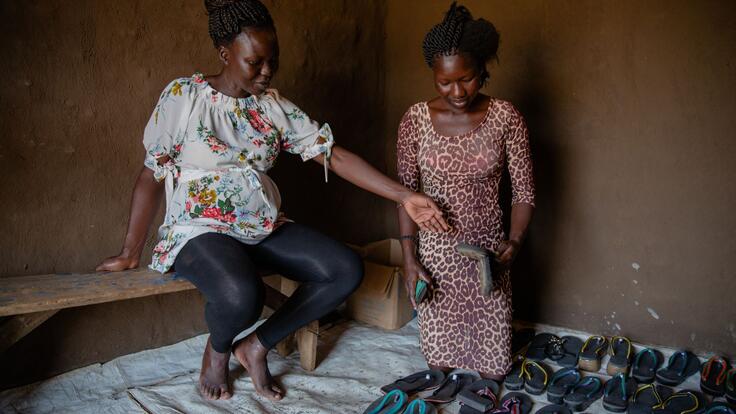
(647, 397)
(645, 366)
(414, 383)
(683, 402)
(520, 340)
(621, 351)
(564, 351)
(450, 387)
(479, 397)
(536, 350)
(584, 393)
(731, 386)
(618, 392)
(591, 353)
(536, 377)
(561, 383)
(553, 409)
(515, 403)
(713, 376)
(515, 379)
(719, 407)
(681, 365)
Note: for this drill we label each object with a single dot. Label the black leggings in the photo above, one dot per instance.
(224, 270)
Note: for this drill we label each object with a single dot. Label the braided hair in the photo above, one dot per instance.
(228, 17)
(460, 33)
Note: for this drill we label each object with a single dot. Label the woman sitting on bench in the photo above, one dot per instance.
(209, 143)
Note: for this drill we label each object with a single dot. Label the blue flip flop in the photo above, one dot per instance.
(584, 393)
(618, 392)
(420, 407)
(645, 366)
(391, 403)
(681, 365)
(561, 383)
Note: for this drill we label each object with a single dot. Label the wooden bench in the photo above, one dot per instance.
(28, 301)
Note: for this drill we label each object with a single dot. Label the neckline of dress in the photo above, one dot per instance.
(491, 103)
(219, 97)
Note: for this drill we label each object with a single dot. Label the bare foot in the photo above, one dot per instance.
(252, 355)
(213, 378)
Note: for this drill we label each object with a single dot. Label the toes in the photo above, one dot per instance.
(225, 393)
(269, 393)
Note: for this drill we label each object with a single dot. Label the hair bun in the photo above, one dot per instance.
(214, 6)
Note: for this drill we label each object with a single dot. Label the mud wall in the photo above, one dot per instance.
(81, 81)
(631, 107)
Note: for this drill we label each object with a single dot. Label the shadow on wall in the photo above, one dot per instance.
(530, 275)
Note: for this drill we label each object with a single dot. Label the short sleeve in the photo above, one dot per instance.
(299, 134)
(407, 147)
(166, 122)
(519, 160)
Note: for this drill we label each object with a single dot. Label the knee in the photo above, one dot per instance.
(243, 301)
(350, 274)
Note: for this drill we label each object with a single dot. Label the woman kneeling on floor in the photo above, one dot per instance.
(209, 143)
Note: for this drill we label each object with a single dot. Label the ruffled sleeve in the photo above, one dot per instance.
(298, 133)
(162, 136)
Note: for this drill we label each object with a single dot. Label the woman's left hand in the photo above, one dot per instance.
(425, 213)
(506, 252)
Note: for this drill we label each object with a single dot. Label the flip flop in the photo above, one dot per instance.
(450, 387)
(591, 353)
(584, 393)
(391, 403)
(536, 350)
(515, 403)
(683, 402)
(731, 386)
(645, 366)
(618, 391)
(564, 351)
(561, 384)
(719, 407)
(484, 257)
(621, 352)
(647, 397)
(681, 365)
(515, 379)
(535, 377)
(420, 407)
(420, 381)
(520, 340)
(553, 409)
(713, 376)
(478, 397)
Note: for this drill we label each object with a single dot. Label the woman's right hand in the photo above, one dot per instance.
(413, 272)
(118, 263)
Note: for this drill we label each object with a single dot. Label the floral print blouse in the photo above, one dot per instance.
(219, 150)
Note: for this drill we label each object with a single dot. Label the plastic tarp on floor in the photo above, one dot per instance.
(356, 360)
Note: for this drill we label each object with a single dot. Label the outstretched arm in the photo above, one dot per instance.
(144, 204)
(418, 206)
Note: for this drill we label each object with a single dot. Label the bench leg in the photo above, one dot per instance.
(306, 339)
(16, 327)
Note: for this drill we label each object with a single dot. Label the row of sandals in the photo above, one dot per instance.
(631, 387)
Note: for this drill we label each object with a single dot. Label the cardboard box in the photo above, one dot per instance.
(381, 299)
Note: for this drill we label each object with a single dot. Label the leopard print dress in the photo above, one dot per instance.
(459, 327)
